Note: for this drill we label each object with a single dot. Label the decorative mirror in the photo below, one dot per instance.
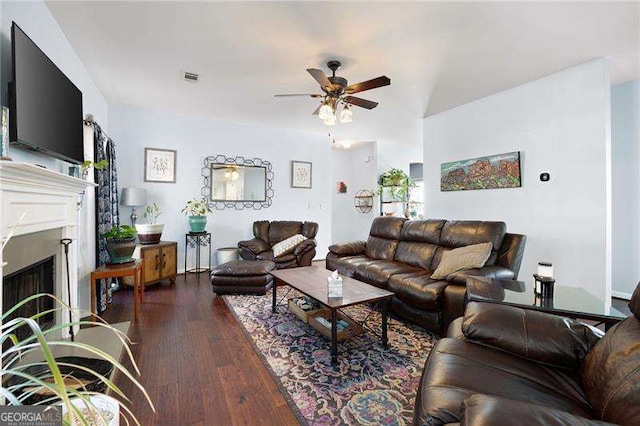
(237, 182)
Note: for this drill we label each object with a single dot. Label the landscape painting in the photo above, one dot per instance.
(494, 171)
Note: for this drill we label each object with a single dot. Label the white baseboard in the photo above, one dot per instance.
(621, 295)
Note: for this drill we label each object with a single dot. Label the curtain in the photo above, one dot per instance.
(106, 205)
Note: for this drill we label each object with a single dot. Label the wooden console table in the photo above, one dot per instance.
(134, 269)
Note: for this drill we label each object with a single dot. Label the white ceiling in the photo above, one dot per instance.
(438, 55)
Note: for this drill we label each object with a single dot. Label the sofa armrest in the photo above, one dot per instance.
(538, 336)
(511, 252)
(499, 272)
(304, 247)
(351, 248)
(255, 245)
(485, 410)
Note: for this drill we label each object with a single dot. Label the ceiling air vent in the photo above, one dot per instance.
(190, 76)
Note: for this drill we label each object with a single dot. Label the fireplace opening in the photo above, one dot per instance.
(34, 279)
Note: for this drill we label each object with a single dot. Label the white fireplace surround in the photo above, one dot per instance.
(49, 201)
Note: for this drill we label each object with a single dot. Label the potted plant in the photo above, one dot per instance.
(68, 381)
(87, 164)
(197, 210)
(121, 243)
(393, 185)
(151, 232)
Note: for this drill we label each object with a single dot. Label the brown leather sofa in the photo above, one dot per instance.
(505, 365)
(267, 234)
(400, 256)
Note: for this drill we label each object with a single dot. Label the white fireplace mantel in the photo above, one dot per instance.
(48, 200)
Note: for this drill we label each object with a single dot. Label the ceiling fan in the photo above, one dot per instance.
(338, 93)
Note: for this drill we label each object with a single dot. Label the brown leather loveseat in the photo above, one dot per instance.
(504, 365)
(267, 234)
(401, 255)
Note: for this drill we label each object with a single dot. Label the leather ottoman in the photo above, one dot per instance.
(243, 276)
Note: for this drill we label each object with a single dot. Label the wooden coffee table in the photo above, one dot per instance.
(312, 281)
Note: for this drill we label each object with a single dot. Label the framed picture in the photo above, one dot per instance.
(490, 172)
(300, 174)
(159, 165)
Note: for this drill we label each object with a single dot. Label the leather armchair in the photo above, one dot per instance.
(505, 363)
(267, 234)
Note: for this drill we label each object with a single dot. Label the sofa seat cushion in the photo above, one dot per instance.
(418, 290)
(457, 369)
(346, 265)
(378, 273)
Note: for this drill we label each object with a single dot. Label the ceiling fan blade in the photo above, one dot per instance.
(352, 100)
(320, 77)
(299, 94)
(317, 111)
(368, 85)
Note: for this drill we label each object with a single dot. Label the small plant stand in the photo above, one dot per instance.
(197, 240)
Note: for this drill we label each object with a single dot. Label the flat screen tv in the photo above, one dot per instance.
(45, 106)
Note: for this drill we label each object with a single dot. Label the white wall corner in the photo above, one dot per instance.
(608, 178)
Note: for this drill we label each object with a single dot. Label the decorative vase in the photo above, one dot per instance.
(120, 250)
(149, 233)
(197, 223)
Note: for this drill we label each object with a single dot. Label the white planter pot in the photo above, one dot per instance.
(104, 403)
(149, 234)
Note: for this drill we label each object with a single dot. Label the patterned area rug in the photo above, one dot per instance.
(369, 386)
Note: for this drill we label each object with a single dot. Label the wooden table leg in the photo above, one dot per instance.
(275, 296)
(141, 273)
(93, 298)
(334, 336)
(136, 295)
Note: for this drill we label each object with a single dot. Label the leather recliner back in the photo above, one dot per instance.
(611, 370)
(460, 233)
(383, 237)
(419, 241)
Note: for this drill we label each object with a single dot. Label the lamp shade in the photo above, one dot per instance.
(133, 197)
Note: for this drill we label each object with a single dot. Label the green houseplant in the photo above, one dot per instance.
(197, 210)
(30, 369)
(121, 243)
(393, 185)
(151, 232)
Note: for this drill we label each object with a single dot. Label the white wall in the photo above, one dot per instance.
(625, 175)
(195, 138)
(560, 124)
(357, 167)
(36, 21)
(390, 155)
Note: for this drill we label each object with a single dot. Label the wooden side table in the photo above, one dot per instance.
(134, 269)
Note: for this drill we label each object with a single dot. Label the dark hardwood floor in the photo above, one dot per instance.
(622, 305)
(196, 363)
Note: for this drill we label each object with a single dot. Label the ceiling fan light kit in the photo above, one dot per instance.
(331, 121)
(346, 116)
(337, 92)
(325, 111)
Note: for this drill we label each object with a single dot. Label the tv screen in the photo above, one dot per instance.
(45, 106)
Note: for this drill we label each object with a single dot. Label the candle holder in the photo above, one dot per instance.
(543, 286)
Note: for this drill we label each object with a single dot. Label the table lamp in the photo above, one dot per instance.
(133, 197)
